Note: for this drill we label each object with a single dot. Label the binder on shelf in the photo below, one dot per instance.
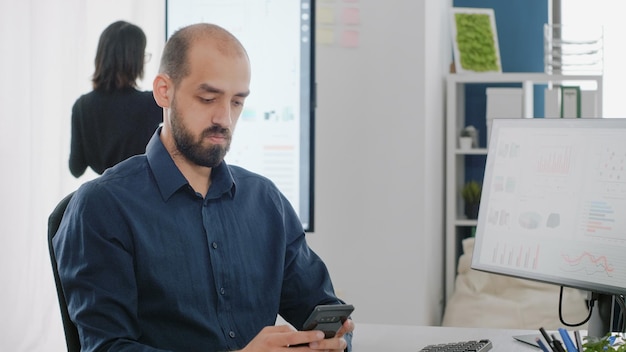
(570, 101)
(589, 103)
(556, 107)
(552, 103)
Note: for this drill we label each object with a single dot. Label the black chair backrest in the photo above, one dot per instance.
(54, 220)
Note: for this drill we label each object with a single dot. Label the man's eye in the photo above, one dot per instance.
(207, 100)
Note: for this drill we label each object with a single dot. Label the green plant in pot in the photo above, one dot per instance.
(604, 344)
(471, 196)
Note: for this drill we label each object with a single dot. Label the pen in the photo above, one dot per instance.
(541, 345)
(579, 342)
(558, 347)
(548, 339)
(567, 341)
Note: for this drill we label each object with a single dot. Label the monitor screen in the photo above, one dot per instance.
(553, 204)
(274, 135)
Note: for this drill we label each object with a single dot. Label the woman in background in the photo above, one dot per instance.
(115, 120)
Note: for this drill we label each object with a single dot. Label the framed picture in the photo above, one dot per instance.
(475, 40)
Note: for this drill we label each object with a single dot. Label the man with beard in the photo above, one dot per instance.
(174, 250)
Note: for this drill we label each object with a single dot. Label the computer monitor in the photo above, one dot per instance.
(553, 206)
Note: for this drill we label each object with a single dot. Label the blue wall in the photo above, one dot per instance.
(520, 39)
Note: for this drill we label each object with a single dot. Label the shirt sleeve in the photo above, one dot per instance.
(100, 288)
(77, 162)
(306, 281)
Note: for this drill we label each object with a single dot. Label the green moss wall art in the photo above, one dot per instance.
(475, 40)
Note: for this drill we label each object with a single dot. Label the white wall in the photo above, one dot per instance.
(379, 171)
(48, 48)
(379, 154)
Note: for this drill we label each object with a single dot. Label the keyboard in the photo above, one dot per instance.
(460, 346)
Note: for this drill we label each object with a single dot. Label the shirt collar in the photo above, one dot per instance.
(169, 179)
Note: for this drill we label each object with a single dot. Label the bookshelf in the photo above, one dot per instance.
(457, 226)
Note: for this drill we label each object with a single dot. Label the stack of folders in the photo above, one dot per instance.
(553, 344)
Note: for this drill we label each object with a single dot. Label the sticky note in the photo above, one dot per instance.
(350, 16)
(324, 36)
(325, 15)
(350, 39)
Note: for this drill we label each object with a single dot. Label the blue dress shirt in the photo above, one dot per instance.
(148, 264)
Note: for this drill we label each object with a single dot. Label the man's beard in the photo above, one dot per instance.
(193, 151)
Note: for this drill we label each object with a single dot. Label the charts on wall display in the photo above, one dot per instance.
(274, 134)
(553, 206)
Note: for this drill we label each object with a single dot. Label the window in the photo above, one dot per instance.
(582, 13)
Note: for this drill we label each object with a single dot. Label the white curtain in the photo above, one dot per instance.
(46, 61)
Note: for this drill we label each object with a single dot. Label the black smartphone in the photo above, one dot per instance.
(328, 318)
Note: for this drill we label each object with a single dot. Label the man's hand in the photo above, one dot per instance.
(279, 338)
(335, 344)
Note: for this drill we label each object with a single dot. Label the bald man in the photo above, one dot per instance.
(174, 250)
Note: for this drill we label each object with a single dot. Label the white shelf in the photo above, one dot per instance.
(465, 222)
(455, 157)
(473, 151)
(535, 78)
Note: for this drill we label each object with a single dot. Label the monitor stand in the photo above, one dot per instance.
(600, 323)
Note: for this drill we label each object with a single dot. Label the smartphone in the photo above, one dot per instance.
(328, 318)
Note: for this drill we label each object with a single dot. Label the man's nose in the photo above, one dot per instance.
(222, 115)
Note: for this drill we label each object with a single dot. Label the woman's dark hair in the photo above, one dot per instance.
(120, 57)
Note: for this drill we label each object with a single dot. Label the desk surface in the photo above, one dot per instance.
(408, 338)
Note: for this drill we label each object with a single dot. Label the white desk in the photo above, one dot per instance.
(405, 338)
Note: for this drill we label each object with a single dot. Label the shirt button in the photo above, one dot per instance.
(222, 290)
(231, 334)
(214, 245)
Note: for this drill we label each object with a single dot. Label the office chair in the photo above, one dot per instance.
(71, 332)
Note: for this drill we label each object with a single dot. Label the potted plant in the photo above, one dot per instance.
(468, 138)
(604, 344)
(471, 196)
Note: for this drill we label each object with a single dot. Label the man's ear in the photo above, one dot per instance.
(162, 88)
